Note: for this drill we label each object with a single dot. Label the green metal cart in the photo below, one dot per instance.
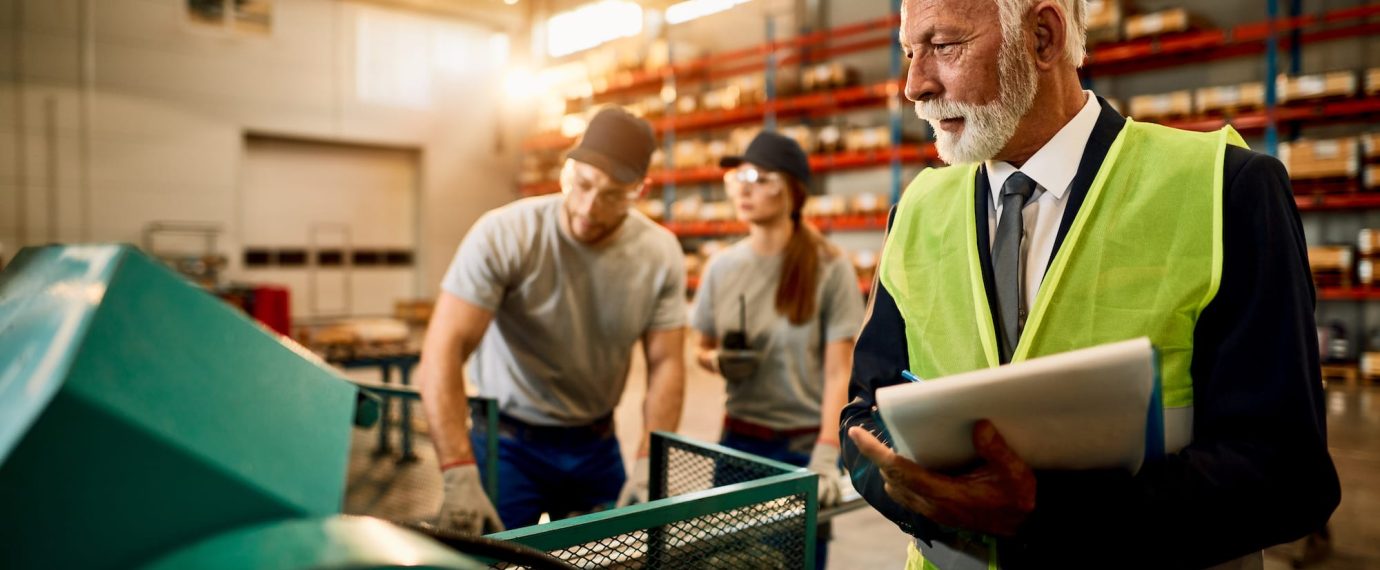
(712, 507)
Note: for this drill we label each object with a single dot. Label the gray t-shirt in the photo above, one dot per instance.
(785, 392)
(566, 316)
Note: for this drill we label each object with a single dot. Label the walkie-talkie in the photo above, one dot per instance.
(737, 339)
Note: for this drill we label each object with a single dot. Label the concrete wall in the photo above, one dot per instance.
(116, 113)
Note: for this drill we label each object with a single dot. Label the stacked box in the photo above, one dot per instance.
(654, 209)
(1104, 21)
(1370, 364)
(1331, 265)
(1229, 97)
(1162, 22)
(1312, 160)
(1373, 81)
(691, 154)
(1368, 249)
(1149, 107)
(716, 211)
(1312, 87)
(829, 76)
(865, 264)
(869, 203)
(860, 139)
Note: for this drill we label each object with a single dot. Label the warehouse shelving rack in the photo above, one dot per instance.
(1105, 60)
(1267, 37)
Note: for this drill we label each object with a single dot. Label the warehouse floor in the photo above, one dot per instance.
(863, 539)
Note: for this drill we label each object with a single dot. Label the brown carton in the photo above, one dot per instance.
(1314, 159)
(1229, 97)
(1104, 21)
(1154, 24)
(1318, 86)
(1163, 105)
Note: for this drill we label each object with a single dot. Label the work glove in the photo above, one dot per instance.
(465, 508)
(824, 461)
(635, 490)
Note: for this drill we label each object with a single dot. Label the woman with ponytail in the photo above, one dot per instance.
(777, 313)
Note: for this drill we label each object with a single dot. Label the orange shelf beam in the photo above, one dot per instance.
(1349, 293)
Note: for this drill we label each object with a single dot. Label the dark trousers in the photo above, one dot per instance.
(559, 471)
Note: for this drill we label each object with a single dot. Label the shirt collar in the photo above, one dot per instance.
(1056, 163)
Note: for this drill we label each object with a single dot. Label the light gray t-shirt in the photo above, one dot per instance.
(785, 392)
(566, 315)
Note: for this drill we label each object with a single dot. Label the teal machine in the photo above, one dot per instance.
(146, 424)
(143, 422)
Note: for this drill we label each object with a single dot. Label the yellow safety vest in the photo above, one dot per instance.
(1142, 258)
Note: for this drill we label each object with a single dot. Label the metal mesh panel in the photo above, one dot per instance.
(689, 468)
(762, 535)
(766, 533)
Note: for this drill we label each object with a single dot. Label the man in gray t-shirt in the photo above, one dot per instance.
(546, 298)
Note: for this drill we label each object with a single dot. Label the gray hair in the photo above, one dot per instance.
(1075, 25)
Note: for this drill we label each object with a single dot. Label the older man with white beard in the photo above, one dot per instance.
(1059, 225)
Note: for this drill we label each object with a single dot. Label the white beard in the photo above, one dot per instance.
(988, 127)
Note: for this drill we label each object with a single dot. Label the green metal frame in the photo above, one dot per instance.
(792, 480)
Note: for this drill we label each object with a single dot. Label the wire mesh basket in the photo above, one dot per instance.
(712, 507)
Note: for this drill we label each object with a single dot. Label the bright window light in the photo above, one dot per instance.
(591, 25)
(682, 12)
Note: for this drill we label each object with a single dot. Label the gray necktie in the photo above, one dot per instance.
(1008, 265)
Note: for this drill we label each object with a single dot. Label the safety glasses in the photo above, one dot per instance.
(739, 180)
(607, 197)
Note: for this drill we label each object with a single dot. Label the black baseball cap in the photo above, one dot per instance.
(773, 151)
(617, 143)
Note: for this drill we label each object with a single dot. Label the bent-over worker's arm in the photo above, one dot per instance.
(456, 328)
(665, 352)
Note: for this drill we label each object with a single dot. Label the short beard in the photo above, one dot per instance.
(986, 128)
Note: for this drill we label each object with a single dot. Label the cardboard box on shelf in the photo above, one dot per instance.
(865, 263)
(1317, 86)
(802, 135)
(861, 139)
(717, 149)
(654, 209)
(1229, 97)
(1177, 103)
(686, 208)
(1331, 265)
(1104, 21)
(1373, 81)
(716, 211)
(691, 154)
(869, 203)
(828, 76)
(830, 139)
(1368, 241)
(1156, 23)
(1370, 364)
(1365, 272)
(1370, 146)
(1371, 177)
(826, 205)
(1315, 159)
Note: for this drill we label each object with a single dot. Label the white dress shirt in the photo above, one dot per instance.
(1052, 168)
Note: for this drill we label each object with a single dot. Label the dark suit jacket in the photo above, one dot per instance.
(1258, 471)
